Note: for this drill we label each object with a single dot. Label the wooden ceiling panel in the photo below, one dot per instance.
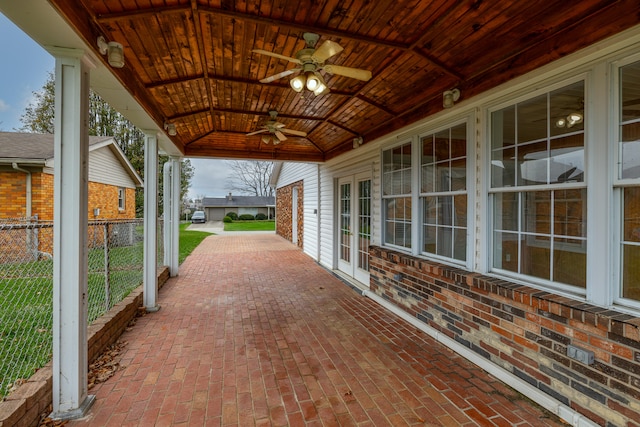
(331, 135)
(360, 116)
(191, 62)
(399, 85)
(181, 98)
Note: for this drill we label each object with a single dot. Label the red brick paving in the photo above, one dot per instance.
(255, 333)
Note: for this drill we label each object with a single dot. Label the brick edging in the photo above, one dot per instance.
(23, 407)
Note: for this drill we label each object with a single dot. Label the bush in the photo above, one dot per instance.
(232, 215)
(227, 219)
(246, 217)
(261, 217)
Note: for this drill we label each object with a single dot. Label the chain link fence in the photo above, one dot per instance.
(115, 268)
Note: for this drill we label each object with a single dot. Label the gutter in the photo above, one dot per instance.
(29, 192)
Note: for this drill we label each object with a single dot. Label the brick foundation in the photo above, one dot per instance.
(284, 214)
(23, 407)
(523, 330)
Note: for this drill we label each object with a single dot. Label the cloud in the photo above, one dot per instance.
(4, 106)
(210, 178)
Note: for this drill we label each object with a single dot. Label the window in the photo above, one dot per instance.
(443, 193)
(628, 179)
(396, 195)
(538, 192)
(121, 198)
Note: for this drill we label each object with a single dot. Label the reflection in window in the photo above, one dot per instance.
(443, 193)
(629, 171)
(396, 194)
(540, 142)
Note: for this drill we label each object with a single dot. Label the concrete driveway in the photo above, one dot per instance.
(217, 227)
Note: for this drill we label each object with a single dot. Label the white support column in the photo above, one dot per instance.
(150, 258)
(71, 150)
(175, 215)
(171, 209)
(166, 215)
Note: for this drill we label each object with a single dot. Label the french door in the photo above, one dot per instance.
(354, 226)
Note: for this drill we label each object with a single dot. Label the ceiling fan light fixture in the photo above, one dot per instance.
(321, 89)
(313, 82)
(298, 82)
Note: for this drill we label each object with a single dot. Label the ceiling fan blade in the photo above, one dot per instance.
(278, 125)
(326, 50)
(280, 135)
(277, 55)
(293, 132)
(257, 132)
(354, 73)
(279, 75)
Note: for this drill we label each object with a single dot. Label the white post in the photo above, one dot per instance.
(175, 215)
(166, 214)
(71, 150)
(150, 275)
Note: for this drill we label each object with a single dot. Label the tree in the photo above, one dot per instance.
(250, 177)
(104, 120)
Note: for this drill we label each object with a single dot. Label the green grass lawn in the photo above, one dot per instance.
(250, 226)
(188, 240)
(26, 292)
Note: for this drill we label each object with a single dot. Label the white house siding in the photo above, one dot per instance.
(308, 173)
(105, 168)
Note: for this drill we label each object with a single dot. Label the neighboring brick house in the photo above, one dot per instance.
(216, 208)
(26, 178)
(26, 190)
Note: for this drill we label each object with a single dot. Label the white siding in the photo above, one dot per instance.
(308, 173)
(105, 168)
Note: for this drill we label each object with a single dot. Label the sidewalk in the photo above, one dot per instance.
(255, 333)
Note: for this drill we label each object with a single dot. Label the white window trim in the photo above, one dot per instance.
(122, 206)
(555, 287)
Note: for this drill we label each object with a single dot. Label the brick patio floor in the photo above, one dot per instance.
(254, 333)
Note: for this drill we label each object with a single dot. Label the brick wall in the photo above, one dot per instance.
(13, 200)
(284, 206)
(525, 331)
(23, 407)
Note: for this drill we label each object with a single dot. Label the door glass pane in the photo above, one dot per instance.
(345, 222)
(364, 224)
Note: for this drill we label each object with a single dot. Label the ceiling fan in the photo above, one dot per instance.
(276, 129)
(310, 61)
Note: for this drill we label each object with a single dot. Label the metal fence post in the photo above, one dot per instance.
(107, 284)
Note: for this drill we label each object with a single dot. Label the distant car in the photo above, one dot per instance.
(198, 216)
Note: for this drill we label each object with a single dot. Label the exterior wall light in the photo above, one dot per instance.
(114, 52)
(449, 97)
(171, 129)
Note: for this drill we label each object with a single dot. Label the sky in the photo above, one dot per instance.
(27, 72)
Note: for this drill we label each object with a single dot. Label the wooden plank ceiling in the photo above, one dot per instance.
(191, 62)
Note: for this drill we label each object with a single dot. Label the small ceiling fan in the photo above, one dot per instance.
(276, 129)
(310, 61)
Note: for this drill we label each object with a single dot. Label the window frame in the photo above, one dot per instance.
(122, 199)
(423, 195)
(521, 190)
(404, 171)
(619, 184)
